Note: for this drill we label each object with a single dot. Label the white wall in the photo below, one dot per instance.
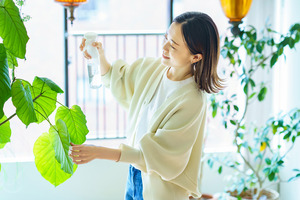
(288, 96)
(285, 93)
(98, 180)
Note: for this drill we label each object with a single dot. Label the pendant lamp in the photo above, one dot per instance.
(71, 4)
(235, 10)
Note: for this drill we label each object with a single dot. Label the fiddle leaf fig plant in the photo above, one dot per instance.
(35, 102)
(259, 158)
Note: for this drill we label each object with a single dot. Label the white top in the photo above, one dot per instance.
(165, 89)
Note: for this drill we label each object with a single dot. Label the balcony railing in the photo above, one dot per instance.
(105, 118)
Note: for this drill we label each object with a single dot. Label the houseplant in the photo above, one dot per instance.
(35, 102)
(259, 157)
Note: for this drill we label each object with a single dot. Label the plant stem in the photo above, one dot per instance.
(260, 163)
(260, 63)
(38, 96)
(46, 118)
(8, 119)
(291, 147)
(236, 135)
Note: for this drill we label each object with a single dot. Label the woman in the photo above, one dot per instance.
(166, 103)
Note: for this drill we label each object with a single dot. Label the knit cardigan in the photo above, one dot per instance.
(170, 151)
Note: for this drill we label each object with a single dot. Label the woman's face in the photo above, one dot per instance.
(175, 51)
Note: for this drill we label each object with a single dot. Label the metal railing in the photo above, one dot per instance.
(105, 118)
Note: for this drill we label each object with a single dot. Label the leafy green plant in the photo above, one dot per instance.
(259, 159)
(35, 102)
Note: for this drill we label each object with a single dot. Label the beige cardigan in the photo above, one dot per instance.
(170, 152)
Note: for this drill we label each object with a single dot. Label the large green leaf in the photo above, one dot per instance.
(5, 88)
(60, 140)
(75, 121)
(5, 132)
(22, 100)
(44, 99)
(46, 163)
(12, 29)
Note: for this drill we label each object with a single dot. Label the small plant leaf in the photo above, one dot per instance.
(236, 107)
(262, 94)
(246, 88)
(220, 170)
(271, 176)
(294, 177)
(293, 138)
(268, 161)
(233, 122)
(287, 136)
(273, 60)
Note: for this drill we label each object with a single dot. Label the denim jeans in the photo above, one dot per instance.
(134, 186)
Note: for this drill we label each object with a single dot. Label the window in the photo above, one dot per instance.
(126, 33)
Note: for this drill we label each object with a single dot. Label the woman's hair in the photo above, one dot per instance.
(202, 36)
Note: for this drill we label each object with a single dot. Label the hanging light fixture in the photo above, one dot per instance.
(71, 4)
(235, 10)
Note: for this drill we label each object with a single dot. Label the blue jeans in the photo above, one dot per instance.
(134, 186)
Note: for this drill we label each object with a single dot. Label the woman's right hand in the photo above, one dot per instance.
(98, 46)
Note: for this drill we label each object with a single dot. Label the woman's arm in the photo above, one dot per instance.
(82, 154)
(104, 64)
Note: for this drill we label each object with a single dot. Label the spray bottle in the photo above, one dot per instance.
(93, 63)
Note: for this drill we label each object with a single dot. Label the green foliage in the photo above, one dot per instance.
(246, 54)
(12, 29)
(21, 98)
(11, 60)
(44, 98)
(75, 121)
(46, 162)
(5, 132)
(36, 102)
(4, 80)
(60, 140)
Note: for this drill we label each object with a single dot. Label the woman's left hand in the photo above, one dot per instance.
(82, 154)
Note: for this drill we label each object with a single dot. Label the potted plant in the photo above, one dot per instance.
(260, 149)
(35, 102)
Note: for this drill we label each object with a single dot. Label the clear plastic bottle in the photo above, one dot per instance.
(93, 63)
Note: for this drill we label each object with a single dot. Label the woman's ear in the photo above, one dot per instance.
(196, 58)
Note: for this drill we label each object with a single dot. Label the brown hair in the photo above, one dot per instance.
(202, 36)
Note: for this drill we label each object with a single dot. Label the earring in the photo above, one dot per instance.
(195, 64)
